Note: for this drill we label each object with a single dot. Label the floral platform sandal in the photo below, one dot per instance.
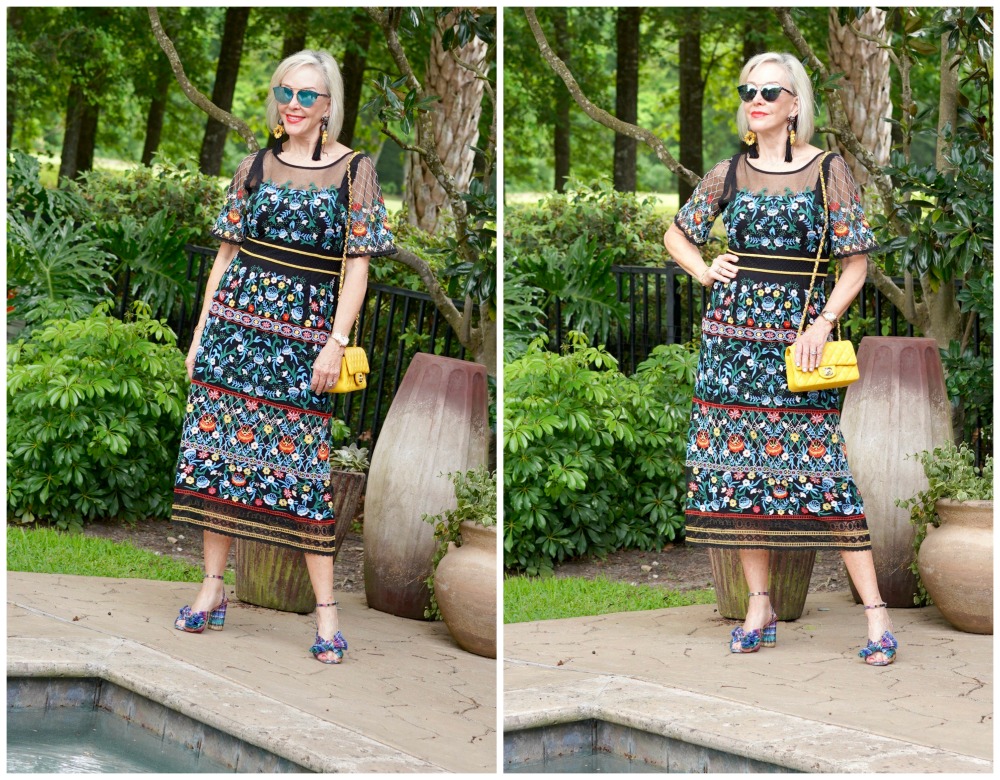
(887, 645)
(335, 647)
(750, 642)
(196, 622)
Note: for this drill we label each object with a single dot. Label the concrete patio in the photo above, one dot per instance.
(809, 704)
(406, 698)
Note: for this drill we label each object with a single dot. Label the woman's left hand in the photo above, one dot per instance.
(809, 346)
(326, 369)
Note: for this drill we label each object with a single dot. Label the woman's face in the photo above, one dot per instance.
(301, 121)
(764, 117)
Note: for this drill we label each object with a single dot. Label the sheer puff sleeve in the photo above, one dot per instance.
(231, 223)
(368, 231)
(850, 233)
(696, 217)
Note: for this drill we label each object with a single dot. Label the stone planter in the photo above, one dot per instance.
(276, 577)
(897, 408)
(465, 585)
(438, 423)
(787, 582)
(956, 564)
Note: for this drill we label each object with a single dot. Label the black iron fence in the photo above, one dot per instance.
(394, 325)
(664, 307)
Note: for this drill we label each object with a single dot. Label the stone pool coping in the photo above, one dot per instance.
(808, 704)
(406, 698)
(232, 709)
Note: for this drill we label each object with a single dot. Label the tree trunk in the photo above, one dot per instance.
(754, 35)
(561, 131)
(71, 135)
(627, 96)
(226, 73)
(456, 129)
(692, 94)
(157, 110)
(353, 72)
(947, 100)
(88, 138)
(864, 88)
(294, 40)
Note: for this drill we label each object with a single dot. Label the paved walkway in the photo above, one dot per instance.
(406, 698)
(808, 704)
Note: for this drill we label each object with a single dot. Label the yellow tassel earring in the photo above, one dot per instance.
(750, 139)
(279, 130)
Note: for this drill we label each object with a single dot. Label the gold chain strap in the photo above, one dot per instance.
(819, 251)
(347, 232)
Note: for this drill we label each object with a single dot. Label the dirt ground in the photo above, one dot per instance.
(677, 566)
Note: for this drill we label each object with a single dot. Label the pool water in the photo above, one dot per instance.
(79, 740)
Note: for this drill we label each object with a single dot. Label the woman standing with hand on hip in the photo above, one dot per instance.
(299, 226)
(768, 466)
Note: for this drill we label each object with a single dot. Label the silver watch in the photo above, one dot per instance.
(340, 338)
(829, 316)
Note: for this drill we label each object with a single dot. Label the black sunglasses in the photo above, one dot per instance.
(307, 97)
(770, 92)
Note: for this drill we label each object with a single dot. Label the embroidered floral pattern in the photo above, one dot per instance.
(255, 448)
(767, 467)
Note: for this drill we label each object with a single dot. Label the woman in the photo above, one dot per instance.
(768, 467)
(282, 297)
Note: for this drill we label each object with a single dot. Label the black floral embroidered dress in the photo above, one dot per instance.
(255, 447)
(768, 467)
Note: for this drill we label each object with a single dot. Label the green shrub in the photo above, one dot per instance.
(593, 459)
(94, 415)
(191, 198)
(579, 276)
(617, 222)
(60, 270)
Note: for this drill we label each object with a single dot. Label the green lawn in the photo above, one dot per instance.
(48, 551)
(532, 598)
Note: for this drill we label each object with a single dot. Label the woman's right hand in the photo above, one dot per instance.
(722, 269)
(192, 353)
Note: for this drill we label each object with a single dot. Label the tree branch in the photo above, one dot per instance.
(441, 300)
(841, 127)
(389, 21)
(196, 97)
(491, 140)
(599, 114)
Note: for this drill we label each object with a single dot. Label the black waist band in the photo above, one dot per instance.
(301, 259)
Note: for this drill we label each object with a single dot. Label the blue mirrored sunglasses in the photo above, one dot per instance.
(306, 97)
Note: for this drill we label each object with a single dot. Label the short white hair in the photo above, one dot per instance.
(333, 85)
(801, 86)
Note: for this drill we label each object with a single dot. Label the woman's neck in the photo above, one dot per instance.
(771, 150)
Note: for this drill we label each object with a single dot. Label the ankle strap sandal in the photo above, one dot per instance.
(886, 645)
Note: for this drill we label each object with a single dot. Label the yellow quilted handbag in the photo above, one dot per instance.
(837, 368)
(353, 371)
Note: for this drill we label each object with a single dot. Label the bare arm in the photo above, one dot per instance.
(223, 258)
(809, 346)
(688, 257)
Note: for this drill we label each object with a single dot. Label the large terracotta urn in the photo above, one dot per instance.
(465, 585)
(898, 407)
(438, 423)
(788, 582)
(276, 577)
(956, 564)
